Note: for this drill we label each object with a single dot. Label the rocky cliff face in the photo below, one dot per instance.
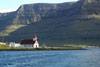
(30, 13)
(90, 6)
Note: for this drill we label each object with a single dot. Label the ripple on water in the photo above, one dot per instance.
(66, 58)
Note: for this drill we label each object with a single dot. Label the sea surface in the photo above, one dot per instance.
(64, 58)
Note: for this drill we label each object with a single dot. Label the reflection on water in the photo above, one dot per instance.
(66, 58)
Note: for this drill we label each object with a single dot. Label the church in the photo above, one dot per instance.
(30, 43)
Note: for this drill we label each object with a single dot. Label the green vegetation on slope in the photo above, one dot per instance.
(78, 23)
(10, 29)
(60, 32)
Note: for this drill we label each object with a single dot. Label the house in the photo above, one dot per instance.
(30, 43)
(13, 44)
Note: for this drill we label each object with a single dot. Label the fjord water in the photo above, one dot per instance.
(65, 58)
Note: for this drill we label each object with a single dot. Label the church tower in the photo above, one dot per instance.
(34, 38)
(36, 44)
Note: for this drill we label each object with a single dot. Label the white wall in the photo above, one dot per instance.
(36, 44)
(27, 46)
(13, 44)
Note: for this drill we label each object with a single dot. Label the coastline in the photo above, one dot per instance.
(40, 49)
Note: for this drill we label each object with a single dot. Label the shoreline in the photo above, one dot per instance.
(41, 49)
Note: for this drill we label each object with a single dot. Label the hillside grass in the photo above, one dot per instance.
(2, 45)
(60, 32)
(94, 16)
(10, 29)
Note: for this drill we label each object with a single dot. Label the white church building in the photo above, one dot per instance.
(30, 43)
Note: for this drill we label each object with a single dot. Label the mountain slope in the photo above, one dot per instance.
(6, 19)
(58, 24)
(30, 13)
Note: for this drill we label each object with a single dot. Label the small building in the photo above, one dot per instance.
(13, 44)
(43, 45)
(30, 43)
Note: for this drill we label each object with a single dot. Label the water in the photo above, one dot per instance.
(66, 58)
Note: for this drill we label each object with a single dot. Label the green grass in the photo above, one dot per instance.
(10, 29)
(33, 49)
(71, 45)
(2, 44)
(5, 48)
(57, 32)
(61, 48)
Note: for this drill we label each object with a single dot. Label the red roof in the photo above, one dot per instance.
(27, 42)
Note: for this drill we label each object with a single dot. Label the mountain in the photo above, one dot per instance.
(54, 24)
(30, 13)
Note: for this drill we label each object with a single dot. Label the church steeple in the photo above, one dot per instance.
(34, 38)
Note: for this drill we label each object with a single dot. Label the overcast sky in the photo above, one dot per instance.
(12, 5)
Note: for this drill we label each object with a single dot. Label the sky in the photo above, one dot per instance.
(12, 5)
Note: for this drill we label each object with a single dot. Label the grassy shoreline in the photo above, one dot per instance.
(66, 47)
(39, 49)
